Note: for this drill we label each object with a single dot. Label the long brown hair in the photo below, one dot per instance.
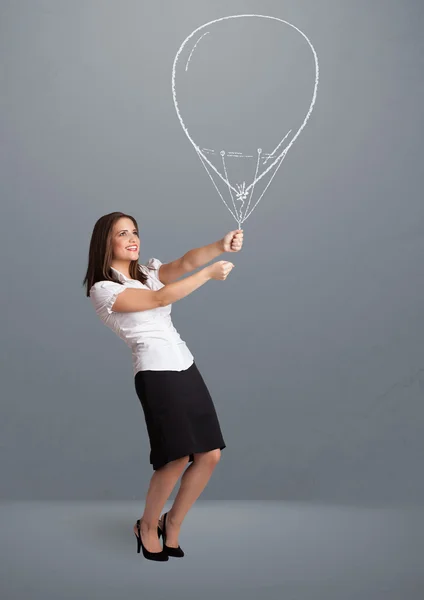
(100, 253)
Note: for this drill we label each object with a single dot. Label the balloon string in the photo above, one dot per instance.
(269, 182)
(256, 174)
(216, 187)
(229, 187)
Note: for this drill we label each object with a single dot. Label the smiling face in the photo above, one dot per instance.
(124, 236)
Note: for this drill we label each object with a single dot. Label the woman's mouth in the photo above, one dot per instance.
(132, 248)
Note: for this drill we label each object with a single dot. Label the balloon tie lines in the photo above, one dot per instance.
(275, 149)
(194, 48)
(256, 174)
(241, 194)
(229, 186)
(268, 184)
(237, 218)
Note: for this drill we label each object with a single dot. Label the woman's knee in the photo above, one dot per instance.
(211, 457)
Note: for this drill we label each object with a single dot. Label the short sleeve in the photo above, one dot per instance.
(104, 293)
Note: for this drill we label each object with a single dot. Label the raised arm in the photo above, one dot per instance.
(231, 242)
(191, 260)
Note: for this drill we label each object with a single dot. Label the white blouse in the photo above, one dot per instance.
(155, 343)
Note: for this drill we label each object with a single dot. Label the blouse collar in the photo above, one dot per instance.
(119, 276)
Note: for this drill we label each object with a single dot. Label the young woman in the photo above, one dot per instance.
(135, 301)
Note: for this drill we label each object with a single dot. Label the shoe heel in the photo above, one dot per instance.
(138, 543)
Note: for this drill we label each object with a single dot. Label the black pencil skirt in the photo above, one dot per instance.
(179, 413)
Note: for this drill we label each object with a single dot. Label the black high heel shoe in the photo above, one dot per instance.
(162, 555)
(177, 552)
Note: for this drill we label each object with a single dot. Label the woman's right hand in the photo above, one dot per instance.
(219, 269)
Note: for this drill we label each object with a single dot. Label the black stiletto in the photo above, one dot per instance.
(177, 552)
(162, 555)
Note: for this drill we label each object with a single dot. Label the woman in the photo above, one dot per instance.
(134, 301)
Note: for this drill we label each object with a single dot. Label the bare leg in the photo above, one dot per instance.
(161, 485)
(193, 482)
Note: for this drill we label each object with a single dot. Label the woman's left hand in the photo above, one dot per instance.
(233, 241)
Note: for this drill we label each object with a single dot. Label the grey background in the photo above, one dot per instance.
(312, 348)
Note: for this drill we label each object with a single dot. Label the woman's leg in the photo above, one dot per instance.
(193, 482)
(161, 485)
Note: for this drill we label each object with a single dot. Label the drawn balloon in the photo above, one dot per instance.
(244, 87)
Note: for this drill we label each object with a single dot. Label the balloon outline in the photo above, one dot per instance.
(279, 159)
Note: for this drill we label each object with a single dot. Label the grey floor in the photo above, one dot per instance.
(234, 549)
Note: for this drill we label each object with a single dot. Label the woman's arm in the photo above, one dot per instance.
(191, 260)
(200, 256)
(180, 289)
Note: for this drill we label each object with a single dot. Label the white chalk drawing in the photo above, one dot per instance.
(194, 48)
(267, 163)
